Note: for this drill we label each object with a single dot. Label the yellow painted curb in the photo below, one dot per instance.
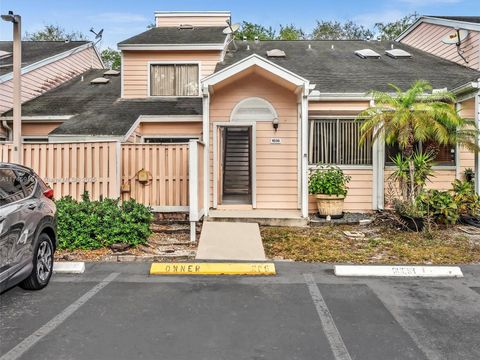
(212, 269)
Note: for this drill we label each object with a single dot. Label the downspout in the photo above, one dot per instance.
(477, 156)
(9, 129)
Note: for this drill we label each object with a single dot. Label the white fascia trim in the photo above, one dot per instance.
(41, 118)
(191, 13)
(470, 86)
(250, 61)
(316, 96)
(98, 56)
(167, 47)
(46, 61)
(437, 21)
(171, 118)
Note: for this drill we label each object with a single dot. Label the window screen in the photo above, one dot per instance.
(445, 154)
(174, 80)
(337, 141)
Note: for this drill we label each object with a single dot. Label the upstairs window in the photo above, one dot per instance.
(174, 80)
(337, 141)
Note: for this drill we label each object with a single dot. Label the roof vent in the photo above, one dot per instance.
(111, 72)
(256, 39)
(276, 53)
(67, 41)
(398, 54)
(99, 80)
(5, 54)
(367, 54)
(185, 27)
(309, 46)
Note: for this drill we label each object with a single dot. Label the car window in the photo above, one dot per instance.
(28, 181)
(10, 187)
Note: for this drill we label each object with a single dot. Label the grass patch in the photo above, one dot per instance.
(381, 245)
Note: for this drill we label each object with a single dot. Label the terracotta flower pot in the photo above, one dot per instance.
(330, 205)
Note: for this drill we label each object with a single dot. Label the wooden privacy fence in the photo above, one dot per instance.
(155, 175)
(165, 182)
(73, 168)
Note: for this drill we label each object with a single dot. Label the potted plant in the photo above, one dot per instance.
(329, 185)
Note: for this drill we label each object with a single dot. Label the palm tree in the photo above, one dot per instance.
(416, 115)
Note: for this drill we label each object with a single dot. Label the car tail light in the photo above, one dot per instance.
(48, 193)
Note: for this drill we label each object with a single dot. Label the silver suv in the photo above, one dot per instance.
(27, 228)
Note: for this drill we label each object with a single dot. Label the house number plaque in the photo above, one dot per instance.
(275, 141)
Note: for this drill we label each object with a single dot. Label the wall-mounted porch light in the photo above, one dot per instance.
(275, 124)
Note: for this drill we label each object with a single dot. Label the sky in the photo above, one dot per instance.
(122, 19)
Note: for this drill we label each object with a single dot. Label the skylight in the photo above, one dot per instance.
(276, 53)
(398, 53)
(367, 54)
(99, 80)
(111, 72)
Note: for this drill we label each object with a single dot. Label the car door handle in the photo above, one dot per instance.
(31, 206)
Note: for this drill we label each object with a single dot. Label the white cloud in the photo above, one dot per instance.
(119, 17)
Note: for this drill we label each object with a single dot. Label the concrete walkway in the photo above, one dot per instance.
(230, 241)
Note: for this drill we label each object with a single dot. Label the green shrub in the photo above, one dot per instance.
(94, 224)
(328, 180)
(467, 200)
(440, 205)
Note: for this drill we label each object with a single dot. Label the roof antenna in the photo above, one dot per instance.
(98, 35)
(231, 29)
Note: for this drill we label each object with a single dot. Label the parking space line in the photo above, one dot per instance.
(31, 340)
(330, 329)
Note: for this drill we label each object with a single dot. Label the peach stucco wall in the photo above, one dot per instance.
(276, 164)
(173, 21)
(38, 81)
(186, 128)
(135, 67)
(427, 37)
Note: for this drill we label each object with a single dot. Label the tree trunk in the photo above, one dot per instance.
(412, 180)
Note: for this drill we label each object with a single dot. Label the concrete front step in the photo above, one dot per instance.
(261, 217)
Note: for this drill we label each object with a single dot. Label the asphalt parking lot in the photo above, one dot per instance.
(116, 311)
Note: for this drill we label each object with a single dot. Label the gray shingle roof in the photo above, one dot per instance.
(339, 70)
(34, 51)
(471, 19)
(97, 108)
(175, 35)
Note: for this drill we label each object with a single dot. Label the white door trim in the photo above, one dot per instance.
(252, 124)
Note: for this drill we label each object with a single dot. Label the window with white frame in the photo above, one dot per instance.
(174, 80)
(337, 141)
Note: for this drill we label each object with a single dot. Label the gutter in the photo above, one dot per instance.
(171, 46)
(46, 61)
(318, 96)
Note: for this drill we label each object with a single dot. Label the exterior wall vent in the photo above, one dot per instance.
(276, 53)
(185, 27)
(99, 80)
(398, 54)
(367, 54)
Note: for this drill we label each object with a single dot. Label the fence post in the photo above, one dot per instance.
(193, 187)
(118, 168)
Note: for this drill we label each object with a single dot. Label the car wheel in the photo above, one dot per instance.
(42, 265)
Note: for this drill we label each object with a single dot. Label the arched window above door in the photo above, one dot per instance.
(253, 109)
